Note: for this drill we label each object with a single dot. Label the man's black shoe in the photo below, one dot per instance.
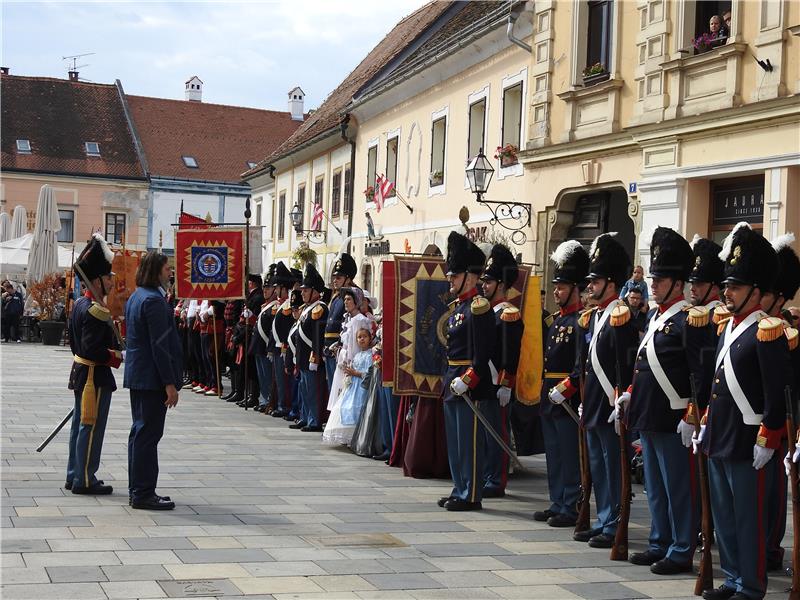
(491, 492)
(645, 559)
(67, 485)
(153, 503)
(666, 566)
(252, 403)
(585, 535)
(723, 592)
(312, 429)
(130, 498)
(234, 398)
(603, 540)
(543, 515)
(456, 504)
(775, 565)
(277, 413)
(561, 521)
(741, 596)
(297, 425)
(98, 489)
(384, 456)
(443, 500)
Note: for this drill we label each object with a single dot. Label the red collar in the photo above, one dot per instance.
(88, 294)
(664, 307)
(568, 310)
(498, 301)
(468, 294)
(604, 304)
(738, 318)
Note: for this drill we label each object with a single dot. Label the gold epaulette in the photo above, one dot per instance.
(286, 308)
(769, 329)
(586, 316)
(791, 337)
(722, 325)
(510, 314)
(620, 315)
(720, 314)
(317, 312)
(275, 309)
(480, 306)
(698, 316)
(548, 320)
(99, 313)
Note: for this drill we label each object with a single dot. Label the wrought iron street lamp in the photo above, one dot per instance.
(315, 236)
(514, 216)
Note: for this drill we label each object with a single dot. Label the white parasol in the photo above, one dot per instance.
(43, 257)
(5, 227)
(19, 222)
(14, 255)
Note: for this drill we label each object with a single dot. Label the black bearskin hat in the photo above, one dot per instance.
(283, 276)
(463, 256)
(708, 267)
(670, 255)
(749, 258)
(345, 265)
(297, 275)
(296, 299)
(609, 259)
(269, 281)
(312, 279)
(96, 258)
(572, 263)
(788, 280)
(501, 266)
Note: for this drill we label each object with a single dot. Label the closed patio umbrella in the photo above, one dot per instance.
(43, 257)
(5, 227)
(19, 222)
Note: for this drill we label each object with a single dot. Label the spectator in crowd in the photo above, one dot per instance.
(793, 316)
(726, 23)
(12, 312)
(638, 316)
(636, 282)
(715, 26)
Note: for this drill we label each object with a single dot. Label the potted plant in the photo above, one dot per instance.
(48, 296)
(507, 155)
(303, 256)
(595, 74)
(703, 43)
(436, 178)
(369, 193)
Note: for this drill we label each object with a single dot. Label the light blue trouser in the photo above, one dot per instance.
(464, 450)
(86, 441)
(330, 370)
(668, 472)
(309, 397)
(560, 435)
(264, 372)
(603, 445)
(737, 504)
(495, 462)
(281, 383)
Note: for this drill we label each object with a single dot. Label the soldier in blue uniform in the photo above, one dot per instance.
(785, 288)
(562, 348)
(470, 347)
(95, 351)
(290, 362)
(308, 357)
(669, 355)
(499, 276)
(262, 340)
(745, 416)
(280, 324)
(344, 271)
(607, 352)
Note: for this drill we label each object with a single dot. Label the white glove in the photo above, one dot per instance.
(787, 465)
(555, 396)
(687, 431)
(580, 410)
(795, 458)
(698, 439)
(504, 395)
(123, 355)
(210, 311)
(623, 401)
(458, 387)
(313, 366)
(246, 313)
(761, 456)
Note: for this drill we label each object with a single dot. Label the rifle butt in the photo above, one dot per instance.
(705, 576)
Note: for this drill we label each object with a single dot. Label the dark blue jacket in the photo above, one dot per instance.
(13, 305)
(154, 357)
(508, 327)
(561, 351)
(91, 337)
(333, 326)
(312, 322)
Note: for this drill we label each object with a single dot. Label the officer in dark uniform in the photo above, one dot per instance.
(278, 334)
(344, 271)
(311, 333)
(607, 352)
(669, 355)
(785, 288)
(470, 347)
(562, 348)
(95, 351)
(290, 361)
(499, 276)
(745, 416)
(253, 302)
(262, 339)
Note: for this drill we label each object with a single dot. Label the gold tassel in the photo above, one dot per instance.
(769, 329)
(791, 337)
(89, 400)
(722, 325)
(510, 314)
(620, 315)
(720, 314)
(583, 320)
(480, 306)
(698, 316)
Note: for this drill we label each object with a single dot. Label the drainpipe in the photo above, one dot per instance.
(343, 129)
(512, 19)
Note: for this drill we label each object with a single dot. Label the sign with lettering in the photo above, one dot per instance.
(377, 248)
(734, 202)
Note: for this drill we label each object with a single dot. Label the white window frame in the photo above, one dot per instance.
(117, 212)
(186, 160)
(372, 143)
(510, 81)
(439, 190)
(90, 152)
(477, 96)
(23, 146)
(74, 210)
(394, 133)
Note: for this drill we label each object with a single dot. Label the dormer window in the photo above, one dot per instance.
(190, 162)
(92, 149)
(24, 146)
(251, 164)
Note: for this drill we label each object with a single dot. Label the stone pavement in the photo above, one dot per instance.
(265, 512)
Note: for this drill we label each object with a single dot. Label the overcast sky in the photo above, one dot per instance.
(246, 53)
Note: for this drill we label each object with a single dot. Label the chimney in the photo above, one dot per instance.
(73, 75)
(194, 89)
(4, 70)
(296, 97)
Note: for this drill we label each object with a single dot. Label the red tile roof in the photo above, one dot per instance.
(58, 117)
(222, 139)
(328, 115)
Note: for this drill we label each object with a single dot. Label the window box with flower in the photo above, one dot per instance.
(369, 193)
(436, 178)
(507, 155)
(595, 74)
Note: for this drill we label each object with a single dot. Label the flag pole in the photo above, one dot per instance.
(246, 383)
(399, 197)
(327, 218)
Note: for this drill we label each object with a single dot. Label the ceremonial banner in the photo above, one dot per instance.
(531, 361)
(209, 263)
(388, 292)
(125, 264)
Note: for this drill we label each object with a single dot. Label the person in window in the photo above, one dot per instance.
(726, 24)
(635, 282)
(638, 316)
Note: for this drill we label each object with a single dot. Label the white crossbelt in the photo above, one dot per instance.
(492, 368)
(259, 326)
(648, 342)
(291, 337)
(749, 416)
(599, 322)
(275, 330)
(303, 316)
